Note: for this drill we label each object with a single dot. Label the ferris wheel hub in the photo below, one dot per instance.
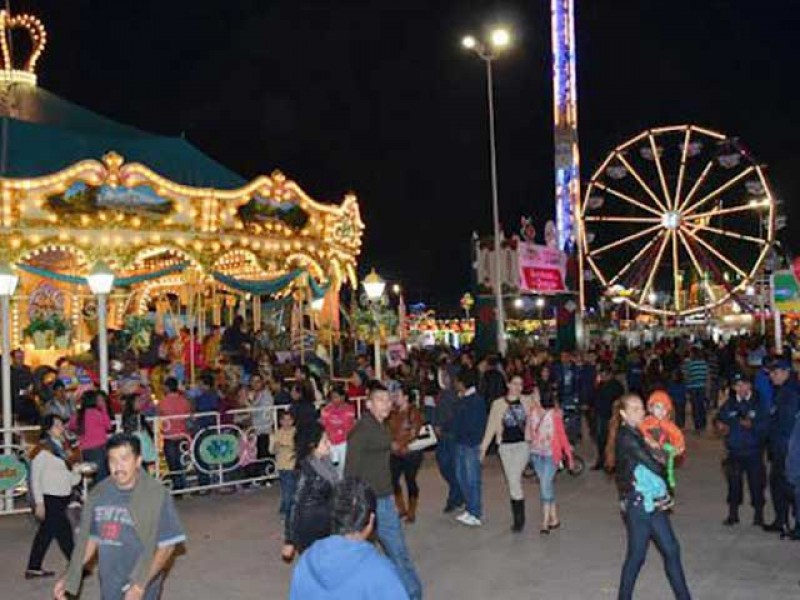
(671, 220)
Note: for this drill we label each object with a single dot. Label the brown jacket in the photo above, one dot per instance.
(404, 428)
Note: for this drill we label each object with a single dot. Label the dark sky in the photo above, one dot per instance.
(378, 97)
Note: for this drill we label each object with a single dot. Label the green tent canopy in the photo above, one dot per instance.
(47, 133)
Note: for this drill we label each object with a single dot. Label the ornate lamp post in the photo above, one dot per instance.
(101, 282)
(374, 287)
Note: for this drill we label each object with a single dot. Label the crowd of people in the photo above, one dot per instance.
(530, 409)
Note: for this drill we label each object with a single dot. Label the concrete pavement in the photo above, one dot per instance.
(234, 544)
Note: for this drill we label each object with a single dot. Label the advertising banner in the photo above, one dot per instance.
(785, 292)
(541, 269)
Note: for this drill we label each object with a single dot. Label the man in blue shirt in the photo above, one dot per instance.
(345, 565)
(469, 424)
(782, 418)
(743, 422)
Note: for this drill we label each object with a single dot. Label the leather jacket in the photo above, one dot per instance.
(631, 451)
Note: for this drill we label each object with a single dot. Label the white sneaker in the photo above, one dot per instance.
(474, 521)
(469, 520)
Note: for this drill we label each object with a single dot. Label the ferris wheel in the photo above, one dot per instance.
(677, 220)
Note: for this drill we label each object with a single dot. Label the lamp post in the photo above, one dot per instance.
(8, 285)
(487, 51)
(374, 287)
(540, 303)
(101, 282)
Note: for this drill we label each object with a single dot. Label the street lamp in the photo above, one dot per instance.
(101, 282)
(519, 303)
(540, 303)
(498, 39)
(8, 285)
(374, 287)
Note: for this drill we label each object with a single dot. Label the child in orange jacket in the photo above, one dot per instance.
(659, 430)
(658, 426)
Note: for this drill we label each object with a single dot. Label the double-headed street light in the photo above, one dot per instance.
(8, 285)
(101, 282)
(374, 287)
(497, 40)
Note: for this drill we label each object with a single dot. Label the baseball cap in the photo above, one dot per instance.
(781, 363)
(739, 376)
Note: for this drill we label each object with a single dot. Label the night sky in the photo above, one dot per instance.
(379, 98)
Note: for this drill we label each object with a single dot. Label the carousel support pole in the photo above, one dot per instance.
(8, 284)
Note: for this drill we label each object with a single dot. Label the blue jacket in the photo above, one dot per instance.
(782, 416)
(335, 568)
(568, 378)
(763, 386)
(793, 456)
(743, 441)
(469, 421)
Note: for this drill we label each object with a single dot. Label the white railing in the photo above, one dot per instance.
(217, 450)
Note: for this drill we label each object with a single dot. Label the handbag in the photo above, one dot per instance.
(425, 439)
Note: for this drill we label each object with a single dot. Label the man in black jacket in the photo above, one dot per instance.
(632, 451)
(369, 446)
(609, 391)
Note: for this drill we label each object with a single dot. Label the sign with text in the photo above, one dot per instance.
(541, 268)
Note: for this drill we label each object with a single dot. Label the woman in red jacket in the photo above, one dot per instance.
(549, 446)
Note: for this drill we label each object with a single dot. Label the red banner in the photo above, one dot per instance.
(541, 269)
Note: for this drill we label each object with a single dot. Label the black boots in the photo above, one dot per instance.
(518, 512)
(758, 517)
(733, 516)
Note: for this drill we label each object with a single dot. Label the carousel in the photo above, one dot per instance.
(186, 240)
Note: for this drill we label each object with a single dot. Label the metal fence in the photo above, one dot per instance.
(195, 452)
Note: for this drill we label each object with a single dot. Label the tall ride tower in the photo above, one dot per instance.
(565, 122)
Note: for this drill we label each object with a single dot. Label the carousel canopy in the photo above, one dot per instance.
(47, 134)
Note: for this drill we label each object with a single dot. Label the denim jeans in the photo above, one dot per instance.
(468, 471)
(288, 481)
(390, 534)
(546, 471)
(446, 459)
(697, 396)
(641, 527)
(172, 453)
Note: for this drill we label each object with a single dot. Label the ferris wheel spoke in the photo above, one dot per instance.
(719, 190)
(696, 263)
(682, 170)
(654, 269)
(721, 211)
(633, 261)
(660, 169)
(641, 181)
(696, 186)
(736, 236)
(716, 252)
(625, 240)
(627, 198)
(621, 219)
(676, 287)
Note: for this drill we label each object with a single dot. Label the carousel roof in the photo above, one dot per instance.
(47, 134)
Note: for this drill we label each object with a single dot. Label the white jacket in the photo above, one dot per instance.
(51, 477)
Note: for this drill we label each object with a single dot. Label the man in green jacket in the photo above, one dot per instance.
(369, 446)
(131, 523)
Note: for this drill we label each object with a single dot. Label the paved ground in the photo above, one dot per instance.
(234, 546)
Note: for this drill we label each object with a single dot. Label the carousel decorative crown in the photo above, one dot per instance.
(26, 73)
